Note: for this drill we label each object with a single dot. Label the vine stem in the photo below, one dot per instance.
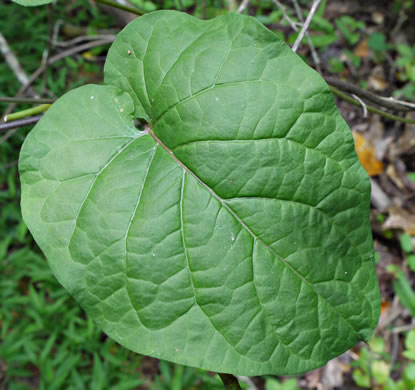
(7, 99)
(15, 125)
(121, 7)
(25, 113)
(230, 382)
(375, 110)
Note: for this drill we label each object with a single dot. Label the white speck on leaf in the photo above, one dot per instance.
(92, 97)
(121, 110)
(129, 52)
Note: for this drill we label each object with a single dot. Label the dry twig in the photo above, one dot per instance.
(242, 6)
(285, 15)
(372, 109)
(314, 55)
(12, 61)
(363, 104)
(389, 103)
(17, 124)
(306, 25)
(55, 58)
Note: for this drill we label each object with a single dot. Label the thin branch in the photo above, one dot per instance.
(314, 55)
(77, 49)
(47, 51)
(125, 8)
(375, 110)
(248, 381)
(306, 25)
(401, 102)
(389, 103)
(55, 58)
(7, 99)
(25, 113)
(12, 61)
(243, 6)
(230, 382)
(363, 104)
(19, 123)
(82, 38)
(285, 15)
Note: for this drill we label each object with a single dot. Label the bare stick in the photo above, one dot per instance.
(12, 61)
(390, 103)
(230, 382)
(57, 57)
(114, 4)
(285, 15)
(83, 38)
(363, 104)
(306, 25)
(19, 123)
(401, 102)
(372, 109)
(7, 99)
(314, 55)
(242, 6)
(378, 197)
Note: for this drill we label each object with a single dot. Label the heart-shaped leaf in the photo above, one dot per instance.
(233, 234)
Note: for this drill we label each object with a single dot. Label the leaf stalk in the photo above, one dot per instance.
(25, 113)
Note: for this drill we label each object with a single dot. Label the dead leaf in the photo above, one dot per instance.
(362, 49)
(394, 176)
(377, 80)
(399, 218)
(367, 155)
(378, 17)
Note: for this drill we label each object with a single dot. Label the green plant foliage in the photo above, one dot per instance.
(377, 42)
(406, 65)
(403, 288)
(274, 384)
(350, 27)
(32, 3)
(233, 233)
(44, 330)
(406, 243)
(373, 368)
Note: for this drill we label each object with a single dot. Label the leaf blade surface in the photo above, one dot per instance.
(234, 234)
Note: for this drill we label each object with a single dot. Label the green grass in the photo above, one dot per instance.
(47, 341)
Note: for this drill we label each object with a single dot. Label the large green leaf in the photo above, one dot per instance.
(233, 234)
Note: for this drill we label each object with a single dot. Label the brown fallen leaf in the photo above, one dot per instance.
(399, 218)
(378, 17)
(367, 155)
(394, 176)
(377, 80)
(362, 49)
